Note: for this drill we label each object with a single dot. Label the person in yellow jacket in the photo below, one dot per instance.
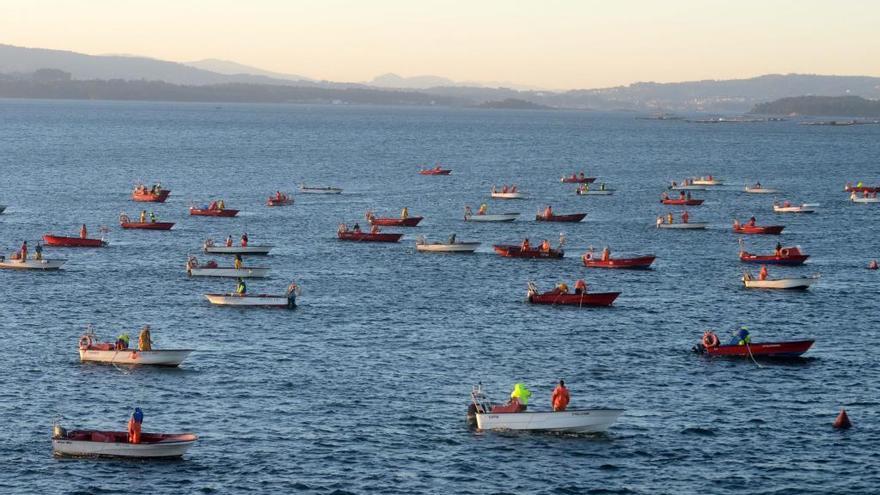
(405, 213)
(483, 209)
(145, 340)
(521, 395)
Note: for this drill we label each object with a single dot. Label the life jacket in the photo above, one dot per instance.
(560, 398)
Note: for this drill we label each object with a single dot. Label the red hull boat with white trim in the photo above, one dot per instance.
(97, 443)
(788, 256)
(514, 251)
(62, 241)
(147, 225)
(435, 171)
(208, 212)
(780, 350)
(585, 299)
(577, 180)
(758, 229)
(571, 218)
(357, 236)
(394, 222)
(682, 202)
(146, 196)
(280, 199)
(635, 263)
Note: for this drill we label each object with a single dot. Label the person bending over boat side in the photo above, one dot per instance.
(580, 287)
(122, 342)
(762, 275)
(240, 288)
(664, 196)
(560, 397)
(374, 229)
(356, 228)
(451, 239)
(561, 288)
(752, 221)
(520, 397)
(134, 426)
(740, 337)
(582, 176)
(237, 262)
(145, 340)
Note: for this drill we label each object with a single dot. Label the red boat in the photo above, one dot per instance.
(147, 196)
(587, 299)
(147, 225)
(682, 202)
(208, 212)
(282, 200)
(577, 180)
(367, 236)
(61, 241)
(394, 222)
(514, 251)
(757, 229)
(789, 256)
(573, 218)
(435, 171)
(637, 263)
(779, 350)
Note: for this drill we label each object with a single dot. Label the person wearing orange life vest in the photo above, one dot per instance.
(83, 233)
(580, 287)
(762, 275)
(560, 397)
(685, 216)
(134, 426)
(545, 246)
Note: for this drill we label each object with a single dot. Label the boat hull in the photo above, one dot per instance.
(865, 200)
(638, 263)
(164, 446)
(458, 247)
(789, 260)
(44, 264)
(862, 189)
(688, 188)
(147, 225)
(513, 251)
(577, 180)
(515, 195)
(229, 272)
(682, 202)
(794, 209)
(706, 182)
(579, 300)
(598, 192)
(251, 301)
(572, 218)
(795, 283)
(759, 230)
(782, 350)
(683, 226)
(249, 250)
(164, 357)
(368, 237)
(224, 213)
(149, 197)
(501, 217)
(279, 202)
(435, 172)
(573, 421)
(395, 222)
(760, 190)
(62, 241)
(320, 190)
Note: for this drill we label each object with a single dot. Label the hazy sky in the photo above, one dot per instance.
(547, 43)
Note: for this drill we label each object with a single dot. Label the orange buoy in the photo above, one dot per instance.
(842, 422)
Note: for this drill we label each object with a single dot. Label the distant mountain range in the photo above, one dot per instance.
(21, 76)
(821, 106)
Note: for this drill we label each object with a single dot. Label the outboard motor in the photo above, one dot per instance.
(291, 300)
(58, 432)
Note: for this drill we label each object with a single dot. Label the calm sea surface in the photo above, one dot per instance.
(364, 387)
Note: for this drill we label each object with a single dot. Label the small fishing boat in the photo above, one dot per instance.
(44, 264)
(97, 443)
(682, 202)
(758, 229)
(152, 195)
(594, 192)
(346, 234)
(687, 187)
(279, 199)
(866, 197)
(574, 179)
(788, 256)
(253, 300)
(555, 297)
(790, 283)
(711, 346)
(786, 207)
(107, 353)
(392, 221)
(706, 181)
(663, 224)
(212, 269)
(455, 246)
(757, 189)
(487, 416)
(570, 218)
(435, 171)
(62, 241)
(516, 251)
(319, 190)
(126, 223)
(499, 217)
(255, 250)
(508, 195)
(860, 188)
(633, 263)
(212, 212)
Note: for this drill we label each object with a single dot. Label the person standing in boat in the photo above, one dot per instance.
(606, 254)
(681, 195)
(669, 218)
(122, 342)
(741, 337)
(153, 217)
(548, 211)
(240, 288)
(221, 205)
(525, 245)
(483, 209)
(520, 396)
(404, 214)
(134, 426)
(752, 221)
(560, 397)
(374, 229)
(545, 246)
(778, 250)
(356, 228)
(580, 287)
(23, 252)
(143, 218)
(762, 275)
(244, 240)
(451, 239)
(229, 240)
(83, 233)
(664, 196)
(685, 216)
(145, 340)
(237, 262)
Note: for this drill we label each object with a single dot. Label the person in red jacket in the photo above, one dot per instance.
(560, 397)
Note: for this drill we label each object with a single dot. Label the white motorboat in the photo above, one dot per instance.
(211, 269)
(760, 190)
(155, 357)
(704, 181)
(445, 247)
(319, 190)
(210, 247)
(252, 301)
(595, 192)
(95, 443)
(790, 208)
(500, 217)
(862, 199)
(687, 187)
(569, 421)
(683, 226)
(792, 283)
(43, 264)
(508, 195)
